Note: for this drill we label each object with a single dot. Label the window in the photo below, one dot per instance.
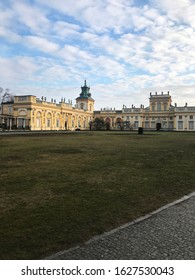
(171, 118)
(159, 106)
(165, 107)
(191, 117)
(164, 125)
(9, 110)
(48, 122)
(171, 125)
(147, 124)
(22, 98)
(57, 123)
(82, 105)
(152, 124)
(127, 118)
(136, 117)
(136, 124)
(180, 125)
(20, 122)
(180, 117)
(38, 122)
(153, 107)
(191, 125)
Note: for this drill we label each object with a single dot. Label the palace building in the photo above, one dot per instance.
(30, 112)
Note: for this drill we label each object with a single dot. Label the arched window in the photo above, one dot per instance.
(38, 120)
(49, 120)
(57, 120)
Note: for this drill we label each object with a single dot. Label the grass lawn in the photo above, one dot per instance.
(59, 190)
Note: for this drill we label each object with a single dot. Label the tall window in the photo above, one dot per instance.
(20, 122)
(164, 125)
(191, 125)
(159, 106)
(38, 122)
(135, 124)
(48, 122)
(171, 125)
(180, 125)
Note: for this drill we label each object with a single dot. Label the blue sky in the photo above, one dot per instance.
(123, 48)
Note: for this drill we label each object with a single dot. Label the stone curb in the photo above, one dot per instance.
(138, 220)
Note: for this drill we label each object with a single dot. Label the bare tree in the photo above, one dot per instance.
(1, 90)
(5, 95)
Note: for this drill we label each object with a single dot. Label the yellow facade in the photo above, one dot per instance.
(30, 112)
(160, 114)
(43, 115)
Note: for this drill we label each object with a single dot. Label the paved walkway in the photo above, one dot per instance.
(168, 233)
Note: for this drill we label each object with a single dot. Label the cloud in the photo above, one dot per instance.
(41, 44)
(7, 34)
(124, 48)
(6, 15)
(64, 29)
(17, 69)
(181, 12)
(31, 17)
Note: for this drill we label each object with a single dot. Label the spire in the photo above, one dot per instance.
(85, 90)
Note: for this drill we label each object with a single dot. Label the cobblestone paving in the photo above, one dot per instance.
(168, 233)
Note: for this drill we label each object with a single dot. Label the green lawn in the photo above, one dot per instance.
(57, 191)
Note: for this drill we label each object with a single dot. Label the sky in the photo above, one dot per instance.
(125, 49)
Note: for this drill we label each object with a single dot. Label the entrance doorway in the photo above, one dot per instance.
(158, 126)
